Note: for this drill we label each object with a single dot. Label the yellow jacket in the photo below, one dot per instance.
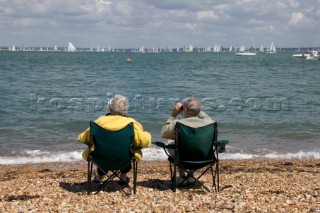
(116, 122)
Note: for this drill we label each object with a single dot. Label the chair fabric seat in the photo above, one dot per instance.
(111, 152)
(195, 149)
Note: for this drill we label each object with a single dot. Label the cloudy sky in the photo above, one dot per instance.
(159, 23)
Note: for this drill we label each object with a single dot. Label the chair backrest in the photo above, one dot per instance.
(195, 144)
(111, 145)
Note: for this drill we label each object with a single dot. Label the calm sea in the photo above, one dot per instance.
(266, 106)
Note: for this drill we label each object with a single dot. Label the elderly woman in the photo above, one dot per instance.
(117, 119)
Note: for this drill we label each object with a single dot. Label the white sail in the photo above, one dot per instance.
(242, 48)
(245, 52)
(13, 48)
(71, 47)
(261, 49)
(141, 50)
(231, 49)
(272, 48)
(55, 48)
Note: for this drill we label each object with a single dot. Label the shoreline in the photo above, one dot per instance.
(270, 185)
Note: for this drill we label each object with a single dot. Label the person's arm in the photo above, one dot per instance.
(142, 138)
(85, 137)
(168, 128)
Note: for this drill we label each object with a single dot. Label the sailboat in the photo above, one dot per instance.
(71, 47)
(261, 49)
(231, 49)
(245, 52)
(272, 48)
(13, 48)
(217, 48)
(141, 50)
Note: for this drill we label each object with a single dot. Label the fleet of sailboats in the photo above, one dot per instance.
(242, 51)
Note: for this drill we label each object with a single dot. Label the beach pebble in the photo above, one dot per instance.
(276, 188)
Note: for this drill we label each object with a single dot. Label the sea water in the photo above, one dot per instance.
(266, 105)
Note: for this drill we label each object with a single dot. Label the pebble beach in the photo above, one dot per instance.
(254, 185)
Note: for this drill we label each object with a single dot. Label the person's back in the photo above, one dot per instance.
(192, 117)
(117, 119)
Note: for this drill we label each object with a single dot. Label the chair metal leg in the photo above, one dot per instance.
(174, 178)
(213, 175)
(217, 175)
(89, 176)
(135, 171)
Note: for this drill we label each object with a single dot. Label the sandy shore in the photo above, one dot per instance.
(246, 186)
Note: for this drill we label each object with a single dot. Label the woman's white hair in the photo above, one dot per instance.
(118, 105)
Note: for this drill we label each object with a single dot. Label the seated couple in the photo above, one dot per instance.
(117, 119)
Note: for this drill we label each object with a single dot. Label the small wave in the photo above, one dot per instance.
(37, 156)
(149, 154)
(298, 155)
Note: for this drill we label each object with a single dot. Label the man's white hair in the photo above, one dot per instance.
(192, 106)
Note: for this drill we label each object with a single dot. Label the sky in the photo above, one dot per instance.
(159, 23)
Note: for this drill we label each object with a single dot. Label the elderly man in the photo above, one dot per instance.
(117, 119)
(192, 116)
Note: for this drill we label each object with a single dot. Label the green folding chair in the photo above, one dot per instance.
(195, 149)
(111, 152)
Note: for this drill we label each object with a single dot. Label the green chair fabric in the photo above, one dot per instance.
(111, 151)
(196, 149)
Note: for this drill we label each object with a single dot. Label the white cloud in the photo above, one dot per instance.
(126, 23)
(104, 2)
(190, 26)
(26, 22)
(206, 15)
(295, 18)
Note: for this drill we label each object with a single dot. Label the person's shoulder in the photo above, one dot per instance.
(100, 118)
(130, 119)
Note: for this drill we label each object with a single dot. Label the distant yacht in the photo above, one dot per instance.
(272, 48)
(261, 49)
(55, 48)
(245, 52)
(232, 49)
(217, 48)
(71, 47)
(314, 55)
(13, 48)
(141, 50)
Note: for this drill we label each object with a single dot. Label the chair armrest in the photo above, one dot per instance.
(163, 145)
(135, 148)
(223, 142)
(222, 145)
